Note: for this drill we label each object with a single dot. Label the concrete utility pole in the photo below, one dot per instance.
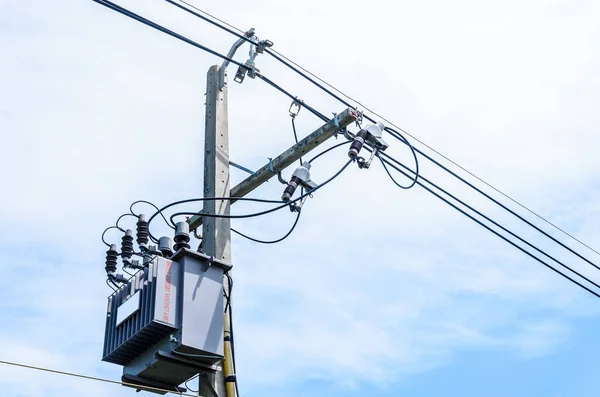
(216, 232)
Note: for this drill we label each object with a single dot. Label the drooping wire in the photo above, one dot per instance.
(155, 207)
(106, 230)
(121, 217)
(412, 149)
(255, 214)
(329, 149)
(271, 241)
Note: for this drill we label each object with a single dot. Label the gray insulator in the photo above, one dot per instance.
(111, 260)
(143, 232)
(127, 246)
(182, 235)
(165, 245)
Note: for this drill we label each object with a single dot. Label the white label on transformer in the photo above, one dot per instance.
(128, 308)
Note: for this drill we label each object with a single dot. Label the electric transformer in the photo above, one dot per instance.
(165, 324)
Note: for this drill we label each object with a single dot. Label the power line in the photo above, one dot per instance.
(392, 132)
(478, 213)
(75, 375)
(156, 26)
(500, 235)
(306, 73)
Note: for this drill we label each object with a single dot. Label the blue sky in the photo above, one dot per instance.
(403, 297)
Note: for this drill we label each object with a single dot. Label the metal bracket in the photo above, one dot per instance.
(296, 103)
(262, 45)
(230, 54)
(271, 165)
(241, 167)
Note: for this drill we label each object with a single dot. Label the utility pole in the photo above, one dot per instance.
(216, 232)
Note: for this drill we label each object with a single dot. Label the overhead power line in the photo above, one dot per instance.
(321, 83)
(94, 378)
(389, 163)
(387, 159)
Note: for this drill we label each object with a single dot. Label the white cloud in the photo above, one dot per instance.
(377, 283)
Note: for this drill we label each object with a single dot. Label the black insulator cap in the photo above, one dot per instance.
(290, 189)
(143, 232)
(111, 259)
(357, 143)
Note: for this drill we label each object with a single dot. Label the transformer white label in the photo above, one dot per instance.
(128, 308)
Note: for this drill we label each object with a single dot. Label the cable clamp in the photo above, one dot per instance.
(295, 103)
(230, 378)
(260, 47)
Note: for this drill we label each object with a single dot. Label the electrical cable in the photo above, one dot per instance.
(155, 207)
(286, 204)
(509, 210)
(329, 149)
(485, 217)
(75, 375)
(121, 217)
(149, 23)
(189, 380)
(412, 149)
(270, 241)
(295, 134)
(156, 26)
(494, 231)
(111, 287)
(303, 72)
(106, 230)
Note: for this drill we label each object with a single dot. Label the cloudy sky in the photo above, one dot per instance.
(379, 290)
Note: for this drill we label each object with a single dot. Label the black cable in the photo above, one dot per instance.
(149, 23)
(189, 380)
(156, 26)
(328, 150)
(121, 217)
(238, 35)
(160, 210)
(295, 134)
(155, 207)
(111, 287)
(257, 213)
(299, 70)
(388, 161)
(506, 208)
(412, 149)
(106, 230)
(270, 241)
